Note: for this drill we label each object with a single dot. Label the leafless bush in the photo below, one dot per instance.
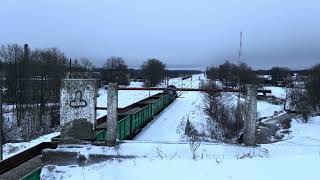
(226, 119)
(306, 101)
(190, 129)
(298, 102)
(249, 154)
(195, 143)
(9, 129)
(193, 137)
(160, 153)
(116, 148)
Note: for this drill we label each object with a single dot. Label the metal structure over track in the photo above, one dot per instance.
(189, 89)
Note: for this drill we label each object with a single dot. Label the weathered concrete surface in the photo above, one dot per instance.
(76, 130)
(62, 157)
(112, 114)
(77, 110)
(22, 170)
(54, 157)
(250, 119)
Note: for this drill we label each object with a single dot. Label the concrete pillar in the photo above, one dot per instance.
(112, 114)
(250, 119)
(77, 110)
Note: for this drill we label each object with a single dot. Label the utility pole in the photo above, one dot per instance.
(70, 67)
(240, 45)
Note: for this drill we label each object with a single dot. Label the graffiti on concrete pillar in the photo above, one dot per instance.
(78, 102)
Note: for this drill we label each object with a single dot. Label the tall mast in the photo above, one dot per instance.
(240, 49)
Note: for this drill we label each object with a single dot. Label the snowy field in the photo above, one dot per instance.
(279, 92)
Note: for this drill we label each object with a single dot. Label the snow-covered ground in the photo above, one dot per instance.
(11, 149)
(266, 109)
(161, 150)
(169, 125)
(162, 153)
(297, 157)
(279, 92)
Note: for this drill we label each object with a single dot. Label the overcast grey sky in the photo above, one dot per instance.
(179, 32)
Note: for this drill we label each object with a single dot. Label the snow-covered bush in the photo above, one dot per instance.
(313, 87)
(299, 102)
(226, 119)
(190, 130)
(306, 101)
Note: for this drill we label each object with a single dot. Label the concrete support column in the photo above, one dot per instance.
(112, 114)
(77, 110)
(250, 119)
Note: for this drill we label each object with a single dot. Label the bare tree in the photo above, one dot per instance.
(153, 71)
(306, 101)
(313, 87)
(82, 68)
(279, 75)
(115, 70)
(33, 81)
(299, 102)
(225, 122)
(194, 142)
(86, 64)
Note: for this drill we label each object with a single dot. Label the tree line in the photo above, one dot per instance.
(303, 90)
(232, 75)
(32, 80)
(115, 70)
